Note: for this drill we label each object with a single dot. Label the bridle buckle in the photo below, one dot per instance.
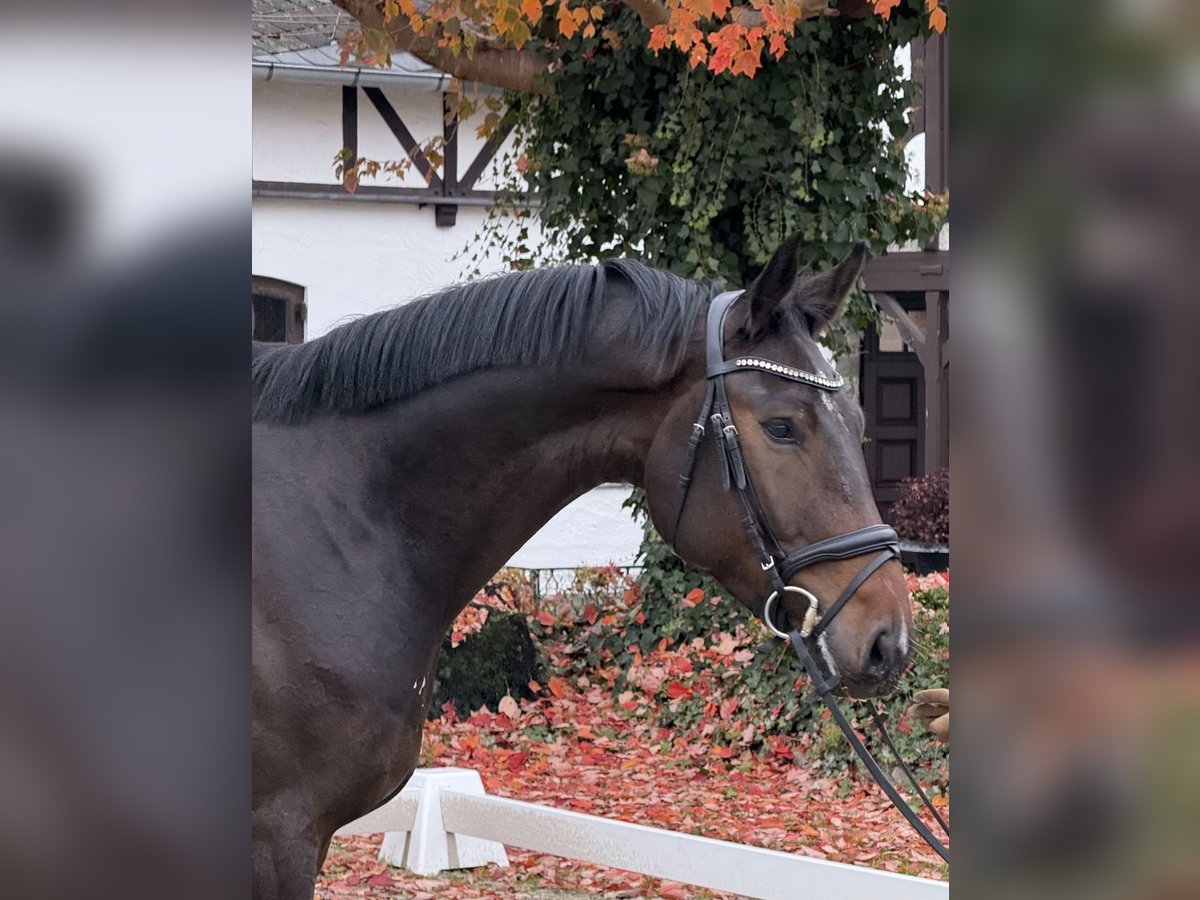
(811, 617)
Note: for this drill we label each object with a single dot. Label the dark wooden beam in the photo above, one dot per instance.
(445, 215)
(937, 381)
(936, 113)
(915, 270)
(909, 330)
(392, 119)
(298, 190)
(450, 148)
(485, 155)
(350, 122)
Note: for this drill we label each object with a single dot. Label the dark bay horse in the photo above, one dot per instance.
(401, 459)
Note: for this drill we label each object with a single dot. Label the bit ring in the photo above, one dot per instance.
(811, 617)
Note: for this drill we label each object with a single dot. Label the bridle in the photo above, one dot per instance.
(716, 418)
(779, 565)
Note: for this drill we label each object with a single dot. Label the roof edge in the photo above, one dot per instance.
(356, 76)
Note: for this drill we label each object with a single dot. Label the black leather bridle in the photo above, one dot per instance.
(716, 419)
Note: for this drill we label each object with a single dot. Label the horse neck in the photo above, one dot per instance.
(474, 467)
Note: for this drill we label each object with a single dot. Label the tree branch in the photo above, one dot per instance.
(810, 9)
(502, 67)
(517, 70)
(651, 12)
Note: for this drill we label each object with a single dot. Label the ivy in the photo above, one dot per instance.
(632, 152)
(702, 665)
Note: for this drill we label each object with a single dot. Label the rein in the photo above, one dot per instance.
(716, 418)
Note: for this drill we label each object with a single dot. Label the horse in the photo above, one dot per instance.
(402, 458)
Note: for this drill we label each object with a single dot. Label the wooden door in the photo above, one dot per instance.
(893, 393)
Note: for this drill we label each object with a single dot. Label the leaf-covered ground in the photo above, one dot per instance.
(576, 746)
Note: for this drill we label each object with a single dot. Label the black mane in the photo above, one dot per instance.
(527, 318)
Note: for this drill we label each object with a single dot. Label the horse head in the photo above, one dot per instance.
(790, 474)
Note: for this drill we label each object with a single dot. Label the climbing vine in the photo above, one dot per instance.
(633, 151)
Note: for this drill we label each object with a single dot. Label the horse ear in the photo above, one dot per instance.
(823, 296)
(773, 284)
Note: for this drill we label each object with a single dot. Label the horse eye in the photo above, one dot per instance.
(779, 429)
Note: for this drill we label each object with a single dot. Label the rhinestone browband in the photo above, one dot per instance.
(753, 362)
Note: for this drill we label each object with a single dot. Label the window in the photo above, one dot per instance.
(279, 310)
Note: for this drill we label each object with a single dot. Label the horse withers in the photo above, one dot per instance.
(401, 459)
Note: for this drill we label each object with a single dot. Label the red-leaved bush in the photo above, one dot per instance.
(922, 512)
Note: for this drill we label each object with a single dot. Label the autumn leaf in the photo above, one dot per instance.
(508, 707)
(532, 10)
(694, 597)
(675, 690)
(747, 62)
(726, 645)
(567, 25)
(558, 687)
(884, 7)
(660, 37)
(937, 19)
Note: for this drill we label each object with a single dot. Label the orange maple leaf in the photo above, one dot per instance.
(659, 38)
(884, 7)
(532, 10)
(725, 42)
(747, 62)
(567, 25)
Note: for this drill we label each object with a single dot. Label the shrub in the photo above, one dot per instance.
(488, 651)
(700, 665)
(922, 512)
(683, 657)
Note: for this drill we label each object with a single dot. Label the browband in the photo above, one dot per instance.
(718, 365)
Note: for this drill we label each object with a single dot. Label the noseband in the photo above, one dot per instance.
(716, 419)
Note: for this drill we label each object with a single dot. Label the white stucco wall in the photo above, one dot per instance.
(356, 258)
(592, 531)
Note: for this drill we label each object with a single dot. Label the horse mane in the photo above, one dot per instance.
(527, 318)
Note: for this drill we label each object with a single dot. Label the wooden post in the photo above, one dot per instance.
(937, 433)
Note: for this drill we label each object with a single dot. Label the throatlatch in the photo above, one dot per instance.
(716, 418)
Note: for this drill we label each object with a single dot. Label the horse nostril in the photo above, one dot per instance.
(884, 652)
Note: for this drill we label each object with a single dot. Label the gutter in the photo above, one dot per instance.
(354, 76)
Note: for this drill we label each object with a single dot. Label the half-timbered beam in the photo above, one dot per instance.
(397, 127)
(909, 330)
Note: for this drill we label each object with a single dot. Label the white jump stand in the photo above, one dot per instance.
(429, 848)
